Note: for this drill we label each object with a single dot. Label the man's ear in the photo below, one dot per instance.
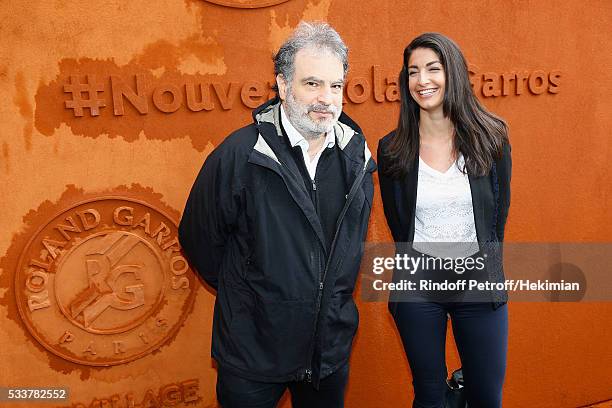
(281, 83)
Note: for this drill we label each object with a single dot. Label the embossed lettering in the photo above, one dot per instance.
(158, 98)
(40, 264)
(474, 78)
(87, 222)
(491, 86)
(115, 400)
(36, 280)
(90, 349)
(129, 398)
(180, 282)
(114, 284)
(123, 219)
(520, 81)
(170, 395)
(101, 403)
(52, 246)
(138, 99)
(161, 232)
(67, 337)
(149, 400)
(182, 265)
(226, 97)
(119, 347)
(361, 95)
(190, 390)
(392, 92)
(538, 82)
(90, 88)
(144, 222)
(197, 105)
(252, 94)
(507, 78)
(172, 244)
(555, 79)
(62, 228)
(379, 96)
(161, 322)
(40, 301)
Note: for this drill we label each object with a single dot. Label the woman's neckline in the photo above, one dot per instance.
(442, 173)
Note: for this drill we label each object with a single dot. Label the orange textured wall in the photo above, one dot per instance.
(183, 74)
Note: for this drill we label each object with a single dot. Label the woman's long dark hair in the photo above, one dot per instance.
(479, 134)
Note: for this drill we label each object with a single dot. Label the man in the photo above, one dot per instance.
(275, 222)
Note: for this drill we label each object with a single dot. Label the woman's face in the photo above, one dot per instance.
(426, 79)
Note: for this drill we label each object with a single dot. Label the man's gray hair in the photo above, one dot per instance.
(316, 35)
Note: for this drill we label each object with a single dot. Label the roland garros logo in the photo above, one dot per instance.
(247, 3)
(104, 282)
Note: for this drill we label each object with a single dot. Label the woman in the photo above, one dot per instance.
(445, 178)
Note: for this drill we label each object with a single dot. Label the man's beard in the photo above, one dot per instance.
(299, 116)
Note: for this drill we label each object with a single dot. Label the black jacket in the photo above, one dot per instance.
(490, 200)
(284, 309)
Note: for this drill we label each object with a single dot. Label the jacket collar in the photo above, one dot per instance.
(267, 119)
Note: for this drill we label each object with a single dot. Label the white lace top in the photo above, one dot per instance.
(444, 213)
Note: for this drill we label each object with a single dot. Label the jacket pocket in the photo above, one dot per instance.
(368, 189)
(272, 337)
(342, 323)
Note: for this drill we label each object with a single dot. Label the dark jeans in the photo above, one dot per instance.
(481, 335)
(237, 392)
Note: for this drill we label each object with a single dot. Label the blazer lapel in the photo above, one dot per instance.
(407, 195)
(479, 187)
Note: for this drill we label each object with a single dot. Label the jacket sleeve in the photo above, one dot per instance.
(387, 195)
(504, 174)
(210, 215)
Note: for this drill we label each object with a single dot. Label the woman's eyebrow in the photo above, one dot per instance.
(428, 64)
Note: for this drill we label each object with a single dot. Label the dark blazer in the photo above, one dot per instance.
(490, 199)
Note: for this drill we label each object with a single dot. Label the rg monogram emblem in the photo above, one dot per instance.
(104, 282)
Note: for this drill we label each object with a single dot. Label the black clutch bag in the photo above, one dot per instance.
(455, 394)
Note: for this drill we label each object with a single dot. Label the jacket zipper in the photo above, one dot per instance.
(315, 197)
(308, 372)
(349, 199)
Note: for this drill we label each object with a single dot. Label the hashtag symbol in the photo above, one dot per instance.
(91, 88)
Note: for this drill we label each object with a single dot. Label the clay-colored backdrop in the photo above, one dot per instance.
(153, 61)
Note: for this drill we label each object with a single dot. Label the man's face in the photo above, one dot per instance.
(313, 98)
